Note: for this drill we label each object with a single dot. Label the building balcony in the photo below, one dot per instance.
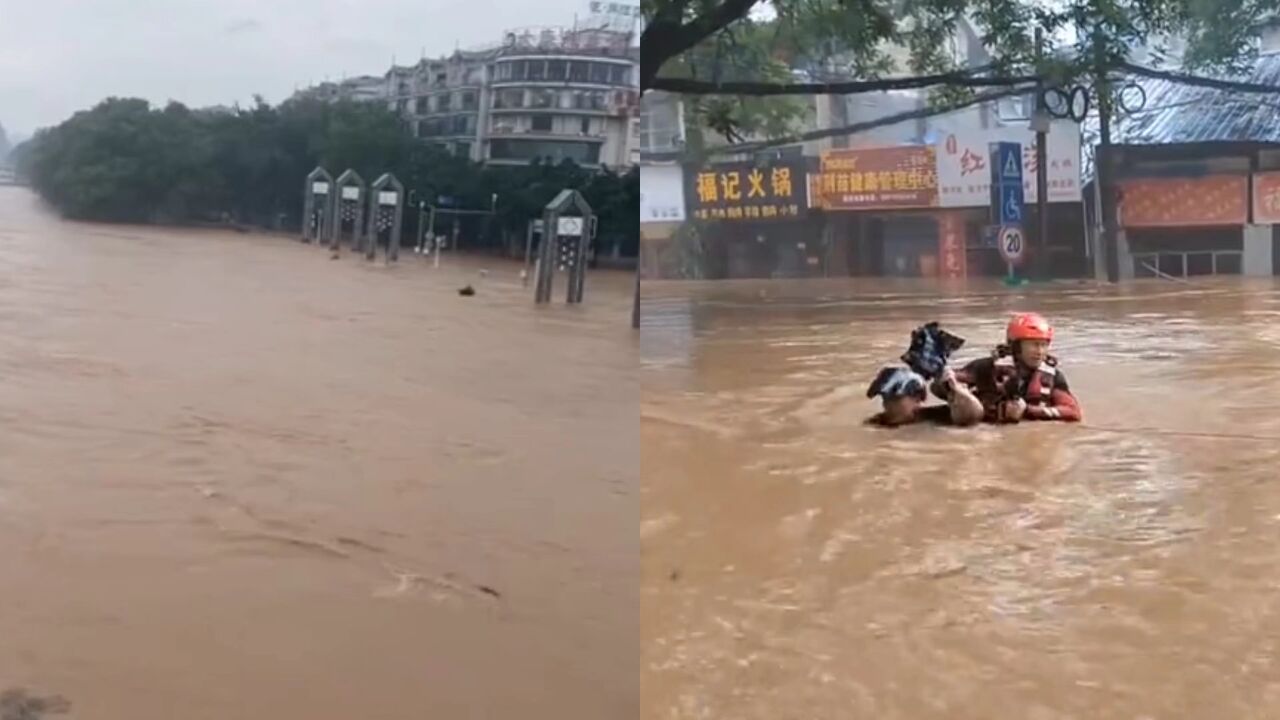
(528, 134)
(552, 109)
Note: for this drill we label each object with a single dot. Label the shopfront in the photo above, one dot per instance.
(755, 219)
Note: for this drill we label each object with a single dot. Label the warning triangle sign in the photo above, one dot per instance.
(1011, 167)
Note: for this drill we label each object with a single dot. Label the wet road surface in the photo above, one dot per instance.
(240, 480)
(798, 564)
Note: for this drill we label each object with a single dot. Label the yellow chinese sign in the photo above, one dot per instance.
(748, 191)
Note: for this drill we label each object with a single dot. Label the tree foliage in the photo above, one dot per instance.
(126, 161)
(759, 40)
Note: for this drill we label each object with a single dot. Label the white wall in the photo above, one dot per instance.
(1257, 258)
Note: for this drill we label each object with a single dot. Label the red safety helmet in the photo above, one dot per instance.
(1028, 326)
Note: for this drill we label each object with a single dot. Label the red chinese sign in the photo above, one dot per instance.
(1266, 198)
(869, 178)
(1165, 202)
(951, 246)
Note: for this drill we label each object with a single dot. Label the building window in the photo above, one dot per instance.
(555, 151)
(402, 106)
(460, 124)
(468, 101)
(579, 71)
(557, 70)
(519, 69)
(444, 102)
(598, 100)
(541, 123)
(503, 71)
(619, 75)
(600, 73)
(442, 78)
(504, 124)
(506, 99)
(542, 98)
(537, 70)
(586, 126)
(420, 106)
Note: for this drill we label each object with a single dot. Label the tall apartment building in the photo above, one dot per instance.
(549, 93)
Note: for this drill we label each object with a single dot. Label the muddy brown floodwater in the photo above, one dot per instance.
(240, 480)
(797, 564)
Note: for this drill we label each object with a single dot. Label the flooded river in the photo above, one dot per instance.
(240, 480)
(798, 564)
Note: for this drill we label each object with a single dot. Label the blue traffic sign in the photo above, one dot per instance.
(1008, 164)
(1011, 203)
(1007, 199)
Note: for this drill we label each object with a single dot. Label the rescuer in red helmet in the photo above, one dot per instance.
(1021, 380)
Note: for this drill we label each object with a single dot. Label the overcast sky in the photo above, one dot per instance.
(60, 56)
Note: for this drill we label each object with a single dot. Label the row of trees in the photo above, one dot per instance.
(126, 161)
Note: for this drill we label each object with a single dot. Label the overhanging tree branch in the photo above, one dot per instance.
(848, 129)
(666, 37)
(848, 87)
(1199, 81)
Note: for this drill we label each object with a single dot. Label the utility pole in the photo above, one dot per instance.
(1040, 122)
(1102, 169)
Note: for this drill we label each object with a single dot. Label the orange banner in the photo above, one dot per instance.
(1165, 202)
(1266, 198)
(951, 246)
(871, 178)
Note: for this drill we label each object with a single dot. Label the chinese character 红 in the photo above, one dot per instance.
(707, 190)
(756, 180)
(729, 183)
(782, 182)
(971, 162)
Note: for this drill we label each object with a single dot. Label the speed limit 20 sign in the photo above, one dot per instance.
(1012, 243)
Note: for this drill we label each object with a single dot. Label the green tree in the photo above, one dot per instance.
(720, 41)
(126, 161)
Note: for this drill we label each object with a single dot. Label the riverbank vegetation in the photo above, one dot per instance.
(126, 161)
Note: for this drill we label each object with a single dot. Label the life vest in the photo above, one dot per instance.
(1035, 388)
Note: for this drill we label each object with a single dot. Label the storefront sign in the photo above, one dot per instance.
(1166, 202)
(874, 178)
(951, 246)
(964, 173)
(661, 193)
(748, 191)
(1266, 198)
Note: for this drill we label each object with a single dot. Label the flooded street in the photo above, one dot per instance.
(799, 564)
(240, 480)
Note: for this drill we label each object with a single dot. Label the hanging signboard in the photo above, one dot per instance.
(964, 172)
(768, 190)
(875, 178)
